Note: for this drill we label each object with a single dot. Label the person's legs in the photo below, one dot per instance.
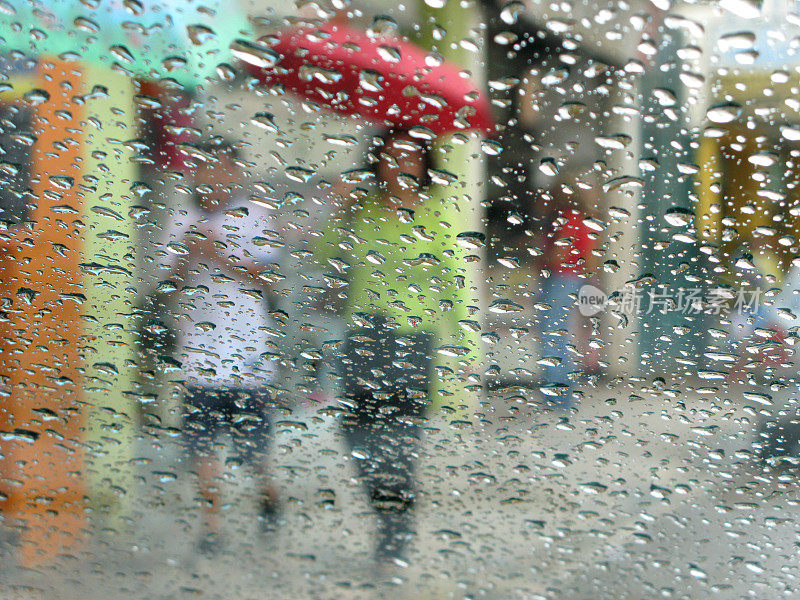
(208, 476)
(250, 421)
(557, 294)
(383, 447)
(381, 427)
(201, 423)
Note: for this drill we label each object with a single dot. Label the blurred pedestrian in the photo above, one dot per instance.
(567, 258)
(220, 251)
(404, 292)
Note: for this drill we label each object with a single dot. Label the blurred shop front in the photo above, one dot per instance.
(566, 81)
(746, 153)
(67, 274)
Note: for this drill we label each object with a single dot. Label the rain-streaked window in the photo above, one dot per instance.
(438, 299)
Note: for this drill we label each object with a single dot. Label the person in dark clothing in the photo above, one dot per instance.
(382, 424)
(399, 281)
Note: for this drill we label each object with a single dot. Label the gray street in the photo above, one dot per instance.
(638, 494)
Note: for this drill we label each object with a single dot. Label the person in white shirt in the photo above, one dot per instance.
(219, 251)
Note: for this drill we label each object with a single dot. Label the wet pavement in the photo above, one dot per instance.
(654, 494)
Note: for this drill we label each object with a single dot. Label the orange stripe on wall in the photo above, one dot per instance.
(42, 477)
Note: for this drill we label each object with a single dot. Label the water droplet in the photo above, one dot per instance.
(178, 248)
(760, 398)
(696, 571)
(762, 159)
(594, 224)
(491, 147)
(174, 63)
(87, 25)
(505, 38)
(471, 239)
(741, 8)
(299, 174)
(613, 142)
(452, 350)
(679, 217)
(554, 77)
(509, 262)
(113, 235)
(226, 72)
(321, 74)
(738, 40)
(370, 80)
(200, 34)
(754, 567)
(36, 96)
(623, 181)
(27, 295)
(265, 121)
(692, 80)
(723, 113)
(549, 167)
(382, 26)
(470, 325)
(19, 435)
(511, 11)
(122, 53)
(389, 53)
(503, 306)
(254, 54)
(665, 97)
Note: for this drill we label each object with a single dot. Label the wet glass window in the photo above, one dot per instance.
(433, 299)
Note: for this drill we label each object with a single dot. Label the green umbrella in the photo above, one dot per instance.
(182, 40)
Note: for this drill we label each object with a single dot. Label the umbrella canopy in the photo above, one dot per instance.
(382, 79)
(182, 40)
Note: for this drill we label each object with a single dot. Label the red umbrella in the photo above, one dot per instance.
(382, 79)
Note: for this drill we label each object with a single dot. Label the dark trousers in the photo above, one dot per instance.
(243, 413)
(384, 447)
(386, 381)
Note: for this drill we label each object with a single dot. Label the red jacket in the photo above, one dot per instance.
(580, 238)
